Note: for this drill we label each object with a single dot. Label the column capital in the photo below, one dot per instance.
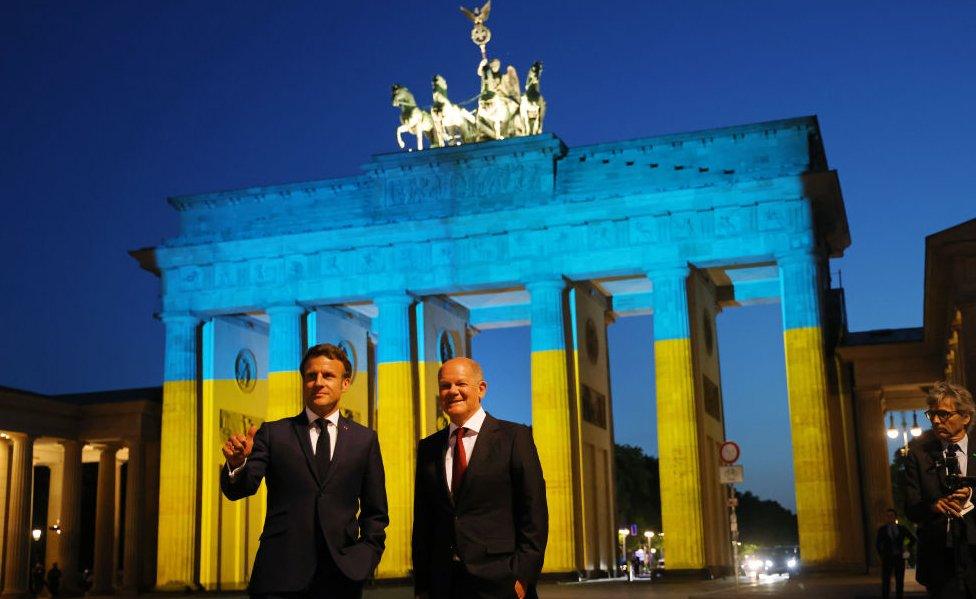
(285, 309)
(400, 297)
(108, 446)
(674, 270)
(19, 437)
(799, 256)
(178, 318)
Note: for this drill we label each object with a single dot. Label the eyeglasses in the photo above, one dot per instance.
(942, 415)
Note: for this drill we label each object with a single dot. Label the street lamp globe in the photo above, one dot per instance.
(892, 431)
(36, 534)
(916, 429)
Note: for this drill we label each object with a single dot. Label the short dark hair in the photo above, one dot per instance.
(891, 510)
(332, 352)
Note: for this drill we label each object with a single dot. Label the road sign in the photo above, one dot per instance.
(729, 452)
(730, 474)
(633, 530)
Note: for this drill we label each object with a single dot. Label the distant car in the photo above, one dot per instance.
(785, 558)
(782, 559)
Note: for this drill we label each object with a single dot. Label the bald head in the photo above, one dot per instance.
(474, 367)
(461, 386)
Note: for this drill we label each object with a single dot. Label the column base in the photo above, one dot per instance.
(178, 587)
(678, 574)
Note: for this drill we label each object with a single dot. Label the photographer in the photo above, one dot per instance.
(937, 497)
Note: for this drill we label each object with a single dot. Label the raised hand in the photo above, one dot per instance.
(238, 447)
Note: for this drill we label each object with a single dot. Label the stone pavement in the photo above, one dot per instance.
(821, 587)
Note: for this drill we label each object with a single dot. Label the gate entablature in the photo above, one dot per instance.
(624, 219)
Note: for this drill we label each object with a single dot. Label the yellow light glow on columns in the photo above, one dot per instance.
(677, 430)
(396, 428)
(176, 556)
(816, 487)
(552, 434)
(398, 443)
(284, 394)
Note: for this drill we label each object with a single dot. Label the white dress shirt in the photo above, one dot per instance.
(472, 427)
(332, 421)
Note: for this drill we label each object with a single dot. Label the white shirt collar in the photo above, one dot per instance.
(312, 417)
(472, 424)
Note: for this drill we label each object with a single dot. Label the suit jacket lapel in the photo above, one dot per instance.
(483, 449)
(341, 444)
(440, 463)
(970, 457)
(300, 426)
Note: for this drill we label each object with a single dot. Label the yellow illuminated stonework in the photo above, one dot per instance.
(816, 487)
(176, 559)
(552, 432)
(284, 394)
(678, 444)
(398, 441)
(229, 530)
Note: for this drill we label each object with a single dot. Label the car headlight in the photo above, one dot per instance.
(769, 563)
(791, 563)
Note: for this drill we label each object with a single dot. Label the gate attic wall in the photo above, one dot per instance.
(581, 219)
(520, 214)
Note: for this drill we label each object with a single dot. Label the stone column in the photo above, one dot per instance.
(55, 497)
(4, 467)
(875, 473)
(817, 484)
(70, 517)
(551, 412)
(967, 336)
(396, 425)
(131, 562)
(179, 459)
(284, 356)
(104, 568)
(677, 422)
(17, 560)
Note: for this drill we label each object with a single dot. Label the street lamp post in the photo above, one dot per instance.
(623, 533)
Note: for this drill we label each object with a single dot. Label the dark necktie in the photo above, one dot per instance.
(459, 462)
(322, 449)
(951, 460)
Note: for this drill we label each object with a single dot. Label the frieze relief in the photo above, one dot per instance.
(501, 248)
(445, 192)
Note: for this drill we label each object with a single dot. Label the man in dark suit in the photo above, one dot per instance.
(321, 469)
(890, 542)
(480, 517)
(946, 521)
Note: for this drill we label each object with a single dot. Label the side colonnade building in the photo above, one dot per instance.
(110, 529)
(404, 262)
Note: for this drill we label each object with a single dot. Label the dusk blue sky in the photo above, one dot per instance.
(107, 108)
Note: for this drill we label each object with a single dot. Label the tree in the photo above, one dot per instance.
(638, 488)
(763, 522)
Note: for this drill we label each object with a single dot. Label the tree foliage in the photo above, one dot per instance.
(763, 522)
(638, 488)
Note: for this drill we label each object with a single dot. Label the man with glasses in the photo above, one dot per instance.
(945, 517)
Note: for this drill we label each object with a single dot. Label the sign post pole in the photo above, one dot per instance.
(730, 474)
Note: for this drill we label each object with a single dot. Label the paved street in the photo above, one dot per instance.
(844, 587)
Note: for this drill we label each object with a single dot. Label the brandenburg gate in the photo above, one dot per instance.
(404, 262)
